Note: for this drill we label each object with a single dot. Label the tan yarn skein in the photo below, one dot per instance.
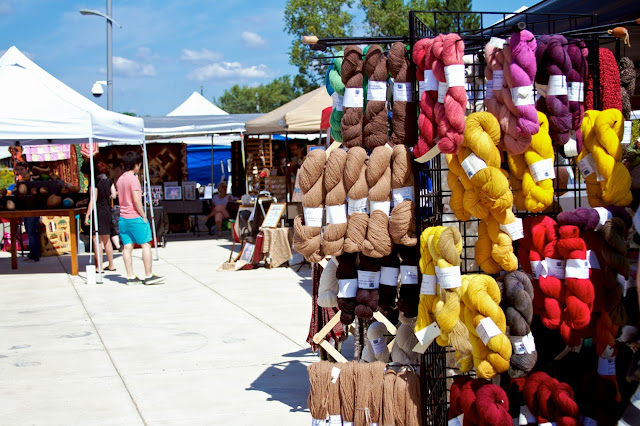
(352, 77)
(375, 117)
(364, 381)
(356, 183)
(377, 384)
(333, 400)
(378, 241)
(307, 239)
(402, 224)
(319, 380)
(336, 194)
(404, 123)
(347, 390)
(388, 398)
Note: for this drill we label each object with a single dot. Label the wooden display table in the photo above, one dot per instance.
(14, 215)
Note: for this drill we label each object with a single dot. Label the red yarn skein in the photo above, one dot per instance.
(455, 403)
(550, 400)
(484, 404)
(423, 58)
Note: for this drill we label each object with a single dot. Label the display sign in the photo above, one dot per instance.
(272, 218)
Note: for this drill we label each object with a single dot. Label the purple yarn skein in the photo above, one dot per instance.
(579, 73)
(523, 70)
(584, 218)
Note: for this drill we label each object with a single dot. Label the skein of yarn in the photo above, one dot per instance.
(408, 297)
(537, 180)
(628, 84)
(376, 346)
(388, 401)
(319, 381)
(423, 58)
(363, 394)
(328, 286)
(402, 350)
(484, 404)
(610, 93)
(307, 239)
(335, 82)
(348, 391)
(378, 241)
(333, 399)
(576, 77)
(347, 276)
(402, 219)
(455, 403)
(377, 389)
(501, 246)
(388, 290)
(357, 189)
(550, 400)
(615, 263)
(375, 117)
(335, 203)
(459, 183)
(352, 77)
(494, 73)
(428, 287)
(403, 122)
(407, 398)
(368, 282)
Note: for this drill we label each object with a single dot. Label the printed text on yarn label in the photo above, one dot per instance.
(408, 274)
(442, 91)
(428, 285)
(313, 216)
(607, 366)
(335, 420)
(577, 268)
(377, 90)
(576, 91)
(389, 276)
(383, 206)
(401, 194)
(430, 81)
(557, 85)
(360, 205)
(543, 169)
(555, 267)
(498, 80)
(338, 101)
(487, 329)
(571, 147)
(587, 165)
(347, 287)
(422, 87)
(472, 165)
(402, 92)
(353, 97)
(456, 421)
(336, 214)
(626, 137)
(522, 96)
(489, 87)
(368, 280)
(379, 345)
(455, 75)
(523, 344)
(514, 229)
(539, 268)
(449, 278)
(593, 259)
(526, 417)
(335, 373)
(605, 215)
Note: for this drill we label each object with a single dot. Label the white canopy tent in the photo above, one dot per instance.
(196, 104)
(37, 108)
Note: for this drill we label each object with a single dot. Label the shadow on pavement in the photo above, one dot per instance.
(287, 382)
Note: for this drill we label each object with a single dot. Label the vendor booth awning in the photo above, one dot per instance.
(177, 127)
(301, 115)
(196, 104)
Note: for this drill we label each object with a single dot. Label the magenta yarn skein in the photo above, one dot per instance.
(523, 69)
(579, 73)
(515, 140)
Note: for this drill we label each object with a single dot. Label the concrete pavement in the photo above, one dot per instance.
(207, 347)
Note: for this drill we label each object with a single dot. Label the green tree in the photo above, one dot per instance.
(448, 22)
(386, 17)
(243, 99)
(322, 18)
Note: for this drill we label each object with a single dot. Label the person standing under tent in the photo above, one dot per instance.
(21, 169)
(104, 192)
(133, 224)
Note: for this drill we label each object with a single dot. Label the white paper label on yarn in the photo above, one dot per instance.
(383, 206)
(361, 205)
(607, 352)
(336, 214)
(409, 274)
(313, 216)
(455, 75)
(428, 285)
(430, 81)
(526, 416)
(626, 137)
(607, 366)
(449, 278)
(514, 229)
(335, 373)
(577, 268)
(422, 87)
(523, 344)
(497, 42)
(555, 267)
(402, 92)
(389, 276)
(624, 283)
(335, 420)
(605, 215)
(593, 260)
(456, 421)
(318, 422)
(543, 169)
(347, 288)
(338, 101)
(368, 280)
(557, 85)
(487, 329)
(522, 96)
(379, 345)
(587, 165)
(576, 91)
(401, 194)
(353, 97)
(539, 268)
(345, 423)
(376, 90)
(489, 87)
(571, 147)
(425, 336)
(442, 91)
(498, 80)
(473, 164)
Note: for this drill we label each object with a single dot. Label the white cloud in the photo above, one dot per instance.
(229, 69)
(253, 40)
(5, 8)
(199, 57)
(128, 68)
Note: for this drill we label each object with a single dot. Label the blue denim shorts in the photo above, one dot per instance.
(134, 231)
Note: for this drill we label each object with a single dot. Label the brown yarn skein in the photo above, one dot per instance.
(409, 296)
(356, 183)
(347, 390)
(377, 386)
(614, 253)
(402, 224)
(388, 291)
(319, 380)
(404, 123)
(378, 241)
(407, 399)
(375, 117)
(352, 77)
(388, 398)
(333, 400)
(367, 300)
(336, 194)
(346, 270)
(517, 304)
(363, 394)
(307, 239)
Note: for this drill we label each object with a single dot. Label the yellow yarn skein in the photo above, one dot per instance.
(483, 250)
(538, 195)
(594, 191)
(494, 248)
(517, 167)
(482, 300)
(456, 201)
(426, 308)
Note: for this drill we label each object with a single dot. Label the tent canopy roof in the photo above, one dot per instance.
(196, 104)
(301, 115)
(194, 125)
(37, 107)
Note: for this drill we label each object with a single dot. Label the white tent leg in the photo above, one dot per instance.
(148, 189)
(94, 216)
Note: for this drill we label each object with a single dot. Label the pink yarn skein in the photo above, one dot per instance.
(494, 58)
(523, 70)
(423, 58)
(449, 50)
(579, 73)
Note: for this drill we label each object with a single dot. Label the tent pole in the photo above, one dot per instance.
(94, 219)
(148, 189)
(213, 184)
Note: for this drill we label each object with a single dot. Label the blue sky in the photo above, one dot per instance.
(165, 50)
